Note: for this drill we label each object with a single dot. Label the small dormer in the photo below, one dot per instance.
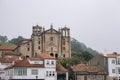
(35, 61)
(49, 61)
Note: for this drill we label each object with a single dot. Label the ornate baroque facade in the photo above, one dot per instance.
(54, 42)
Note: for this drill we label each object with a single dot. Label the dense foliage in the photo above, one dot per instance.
(77, 46)
(15, 41)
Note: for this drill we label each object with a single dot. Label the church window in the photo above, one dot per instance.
(63, 55)
(63, 41)
(51, 38)
(63, 33)
(28, 49)
(51, 49)
(56, 55)
(38, 42)
(39, 47)
(28, 44)
(51, 54)
(63, 48)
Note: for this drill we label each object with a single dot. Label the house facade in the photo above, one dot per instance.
(6, 49)
(114, 66)
(57, 43)
(87, 72)
(42, 68)
(99, 60)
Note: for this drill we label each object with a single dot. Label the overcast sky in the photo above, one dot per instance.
(93, 22)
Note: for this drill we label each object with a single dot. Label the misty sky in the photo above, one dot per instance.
(93, 22)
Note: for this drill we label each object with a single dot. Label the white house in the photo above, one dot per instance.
(42, 68)
(114, 66)
(5, 62)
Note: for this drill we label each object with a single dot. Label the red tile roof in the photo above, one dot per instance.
(35, 59)
(9, 53)
(112, 55)
(25, 63)
(7, 47)
(46, 56)
(60, 68)
(84, 68)
(9, 60)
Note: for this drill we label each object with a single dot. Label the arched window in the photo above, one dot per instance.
(51, 54)
(56, 55)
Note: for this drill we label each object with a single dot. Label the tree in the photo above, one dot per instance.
(16, 41)
(3, 39)
(77, 46)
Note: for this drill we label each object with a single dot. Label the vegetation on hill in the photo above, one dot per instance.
(5, 42)
(80, 53)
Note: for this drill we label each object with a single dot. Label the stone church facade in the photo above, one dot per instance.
(57, 43)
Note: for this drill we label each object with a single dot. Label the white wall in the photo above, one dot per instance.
(111, 66)
(41, 73)
(49, 65)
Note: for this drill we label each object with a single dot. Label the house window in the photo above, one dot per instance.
(34, 72)
(52, 62)
(50, 73)
(47, 62)
(113, 70)
(51, 38)
(118, 70)
(85, 77)
(47, 73)
(36, 62)
(113, 61)
(20, 71)
(53, 74)
(118, 61)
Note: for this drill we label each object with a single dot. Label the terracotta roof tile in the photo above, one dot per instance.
(46, 56)
(35, 59)
(25, 63)
(9, 60)
(112, 55)
(9, 53)
(84, 68)
(7, 47)
(60, 68)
